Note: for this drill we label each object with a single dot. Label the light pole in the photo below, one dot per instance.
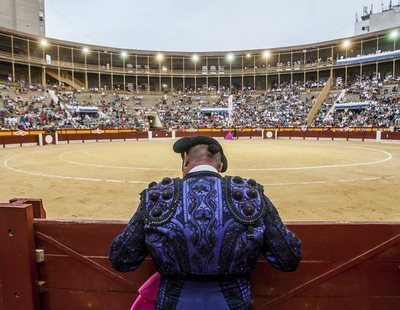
(43, 44)
(394, 34)
(160, 57)
(304, 67)
(230, 58)
(123, 56)
(195, 58)
(346, 45)
(85, 53)
(266, 55)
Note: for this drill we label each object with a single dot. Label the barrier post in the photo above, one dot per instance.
(378, 136)
(40, 139)
(18, 281)
(37, 206)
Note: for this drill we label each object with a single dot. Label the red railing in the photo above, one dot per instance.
(344, 266)
(67, 136)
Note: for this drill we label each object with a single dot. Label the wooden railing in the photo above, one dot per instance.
(21, 138)
(58, 264)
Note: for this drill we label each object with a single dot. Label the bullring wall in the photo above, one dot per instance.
(56, 264)
(41, 137)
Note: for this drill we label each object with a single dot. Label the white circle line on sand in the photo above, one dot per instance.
(61, 158)
(8, 166)
(146, 182)
(389, 157)
(64, 177)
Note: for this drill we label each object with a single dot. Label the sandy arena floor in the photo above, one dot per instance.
(307, 180)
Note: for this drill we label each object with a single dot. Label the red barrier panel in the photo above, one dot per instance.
(344, 266)
(18, 281)
(329, 134)
(211, 133)
(387, 135)
(4, 140)
(313, 133)
(338, 134)
(102, 136)
(220, 133)
(180, 134)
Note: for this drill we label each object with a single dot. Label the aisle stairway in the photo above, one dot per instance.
(66, 78)
(338, 100)
(320, 100)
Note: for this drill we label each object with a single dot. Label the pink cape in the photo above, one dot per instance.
(229, 136)
(148, 294)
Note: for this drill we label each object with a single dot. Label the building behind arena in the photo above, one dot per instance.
(370, 22)
(35, 60)
(26, 55)
(23, 15)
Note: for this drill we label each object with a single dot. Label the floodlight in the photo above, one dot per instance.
(160, 56)
(124, 54)
(85, 50)
(248, 55)
(195, 57)
(43, 42)
(230, 56)
(394, 34)
(266, 54)
(346, 43)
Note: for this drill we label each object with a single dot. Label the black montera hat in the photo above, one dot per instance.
(184, 144)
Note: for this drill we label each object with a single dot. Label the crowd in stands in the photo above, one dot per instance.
(278, 107)
(286, 106)
(113, 111)
(380, 106)
(26, 109)
(30, 110)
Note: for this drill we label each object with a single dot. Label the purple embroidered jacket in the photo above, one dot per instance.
(205, 231)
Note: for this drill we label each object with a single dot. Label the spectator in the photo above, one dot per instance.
(204, 233)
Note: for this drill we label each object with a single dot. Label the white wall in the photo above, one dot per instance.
(23, 15)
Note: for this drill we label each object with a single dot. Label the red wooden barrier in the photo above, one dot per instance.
(4, 140)
(387, 135)
(67, 137)
(331, 134)
(345, 266)
(314, 133)
(18, 274)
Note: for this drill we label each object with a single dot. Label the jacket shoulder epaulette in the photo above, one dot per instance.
(245, 199)
(159, 201)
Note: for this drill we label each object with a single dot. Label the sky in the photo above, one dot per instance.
(203, 25)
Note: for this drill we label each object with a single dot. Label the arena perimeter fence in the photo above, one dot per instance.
(48, 264)
(63, 264)
(41, 137)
